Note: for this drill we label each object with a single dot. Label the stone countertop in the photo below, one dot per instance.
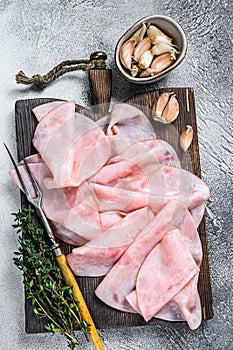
(36, 35)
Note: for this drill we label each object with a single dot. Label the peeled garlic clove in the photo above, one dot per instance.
(161, 62)
(171, 111)
(139, 34)
(154, 32)
(159, 49)
(146, 59)
(159, 106)
(186, 137)
(142, 47)
(126, 53)
(134, 70)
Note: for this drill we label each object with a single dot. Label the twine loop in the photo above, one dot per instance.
(96, 61)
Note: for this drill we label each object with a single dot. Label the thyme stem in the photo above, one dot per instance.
(43, 281)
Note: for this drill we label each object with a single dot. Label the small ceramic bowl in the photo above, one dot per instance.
(170, 28)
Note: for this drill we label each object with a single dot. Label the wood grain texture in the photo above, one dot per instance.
(101, 89)
(103, 315)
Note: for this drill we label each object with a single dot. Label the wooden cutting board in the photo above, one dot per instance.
(103, 315)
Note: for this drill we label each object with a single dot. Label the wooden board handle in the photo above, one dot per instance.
(101, 89)
(84, 312)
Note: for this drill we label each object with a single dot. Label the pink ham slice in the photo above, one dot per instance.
(97, 257)
(139, 159)
(72, 145)
(186, 304)
(76, 221)
(125, 125)
(147, 153)
(171, 182)
(126, 269)
(134, 192)
(164, 273)
(110, 218)
(42, 110)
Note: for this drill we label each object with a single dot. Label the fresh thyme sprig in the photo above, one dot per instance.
(43, 281)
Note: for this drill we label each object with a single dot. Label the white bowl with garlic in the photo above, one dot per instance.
(150, 49)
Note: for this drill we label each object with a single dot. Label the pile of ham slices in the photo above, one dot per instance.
(119, 194)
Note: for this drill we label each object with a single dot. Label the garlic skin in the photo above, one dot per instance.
(139, 34)
(145, 60)
(153, 33)
(147, 72)
(134, 70)
(171, 111)
(161, 62)
(126, 53)
(159, 106)
(142, 47)
(161, 40)
(186, 137)
(159, 49)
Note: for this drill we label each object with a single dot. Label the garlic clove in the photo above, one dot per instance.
(139, 34)
(126, 52)
(147, 73)
(161, 62)
(171, 111)
(153, 32)
(142, 47)
(159, 49)
(186, 137)
(161, 40)
(145, 60)
(159, 106)
(143, 32)
(134, 70)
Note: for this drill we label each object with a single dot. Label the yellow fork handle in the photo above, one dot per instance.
(84, 312)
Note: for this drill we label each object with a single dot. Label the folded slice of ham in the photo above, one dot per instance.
(126, 125)
(164, 273)
(110, 218)
(125, 271)
(41, 110)
(138, 159)
(97, 257)
(185, 305)
(147, 153)
(72, 146)
(76, 221)
(137, 190)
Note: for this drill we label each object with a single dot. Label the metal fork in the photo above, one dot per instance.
(59, 256)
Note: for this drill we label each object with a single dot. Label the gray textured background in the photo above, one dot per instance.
(36, 35)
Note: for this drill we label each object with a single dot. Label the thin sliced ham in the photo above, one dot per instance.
(186, 304)
(138, 159)
(80, 218)
(110, 218)
(137, 190)
(72, 145)
(126, 125)
(125, 271)
(119, 194)
(164, 273)
(41, 110)
(97, 257)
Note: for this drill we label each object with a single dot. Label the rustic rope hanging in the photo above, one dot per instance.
(97, 60)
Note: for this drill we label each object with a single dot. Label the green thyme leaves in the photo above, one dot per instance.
(44, 284)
